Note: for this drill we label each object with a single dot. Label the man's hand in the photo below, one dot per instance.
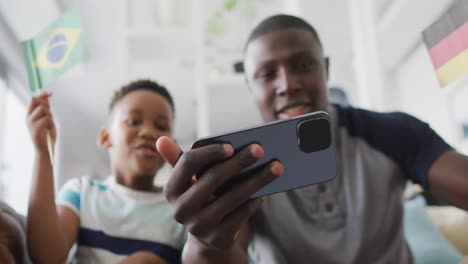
(214, 221)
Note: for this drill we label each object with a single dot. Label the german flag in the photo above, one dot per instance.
(447, 41)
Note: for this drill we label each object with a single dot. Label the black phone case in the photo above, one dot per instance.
(280, 142)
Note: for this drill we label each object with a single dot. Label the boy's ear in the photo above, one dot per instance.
(104, 138)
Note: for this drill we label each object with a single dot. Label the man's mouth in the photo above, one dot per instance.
(147, 150)
(294, 110)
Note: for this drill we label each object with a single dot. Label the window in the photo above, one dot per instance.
(2, 130)
(16, 151)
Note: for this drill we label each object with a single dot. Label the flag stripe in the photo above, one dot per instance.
(450, 47)
(34, 76)
(454, 69)
(456, 16)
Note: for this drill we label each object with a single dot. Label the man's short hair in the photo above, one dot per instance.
(281, 22)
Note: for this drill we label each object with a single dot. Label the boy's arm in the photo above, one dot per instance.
(50, 233)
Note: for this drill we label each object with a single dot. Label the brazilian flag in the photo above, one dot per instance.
(54, 50)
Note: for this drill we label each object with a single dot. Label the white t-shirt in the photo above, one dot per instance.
(116, 221)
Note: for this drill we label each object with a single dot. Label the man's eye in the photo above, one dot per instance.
(305, 66)
(267, 75)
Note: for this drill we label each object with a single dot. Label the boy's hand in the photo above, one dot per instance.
(40, 121)
(214, 222)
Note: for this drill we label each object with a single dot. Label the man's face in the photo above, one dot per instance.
(287, 73)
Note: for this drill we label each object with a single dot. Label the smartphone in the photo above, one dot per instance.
(304, 144)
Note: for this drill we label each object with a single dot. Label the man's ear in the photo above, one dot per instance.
(104, 138)
(327, 67)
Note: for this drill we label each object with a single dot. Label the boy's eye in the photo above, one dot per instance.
(162, 128)
(133, 122)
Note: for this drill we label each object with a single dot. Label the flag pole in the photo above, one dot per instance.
(51, 147)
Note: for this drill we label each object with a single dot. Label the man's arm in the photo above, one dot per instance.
(236, 254)
(448, 179)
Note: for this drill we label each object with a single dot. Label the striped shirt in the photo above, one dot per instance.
(116, 221)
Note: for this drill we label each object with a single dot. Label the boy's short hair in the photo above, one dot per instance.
(137, 85)
(281, 22)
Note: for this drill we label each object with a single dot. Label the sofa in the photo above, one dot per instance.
(436, 234)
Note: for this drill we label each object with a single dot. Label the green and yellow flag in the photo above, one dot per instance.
(55, 50)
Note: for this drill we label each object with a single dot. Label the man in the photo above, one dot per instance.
(355, 218)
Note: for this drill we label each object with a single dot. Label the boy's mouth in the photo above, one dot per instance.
(146, 150)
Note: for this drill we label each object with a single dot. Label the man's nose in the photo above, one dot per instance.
(287, 83)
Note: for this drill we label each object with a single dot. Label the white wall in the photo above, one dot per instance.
(410, 83)
(419, 94)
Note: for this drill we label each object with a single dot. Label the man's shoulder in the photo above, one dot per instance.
(371, 125)
(354, 117)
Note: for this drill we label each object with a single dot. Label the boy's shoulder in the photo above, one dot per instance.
(87, 182)
(74, 190)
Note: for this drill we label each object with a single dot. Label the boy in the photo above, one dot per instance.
(124, 215)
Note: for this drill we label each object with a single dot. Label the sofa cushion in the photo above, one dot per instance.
(453, 223)
(426, 242)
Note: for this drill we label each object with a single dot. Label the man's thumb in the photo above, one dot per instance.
(168, 149)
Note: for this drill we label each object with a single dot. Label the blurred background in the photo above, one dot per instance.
(375, 46)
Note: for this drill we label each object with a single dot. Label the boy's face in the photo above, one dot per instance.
(287, 73)
(136, 122)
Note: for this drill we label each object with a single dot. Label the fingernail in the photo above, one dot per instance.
(228, 149)
(256, 150)
(277, 168)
